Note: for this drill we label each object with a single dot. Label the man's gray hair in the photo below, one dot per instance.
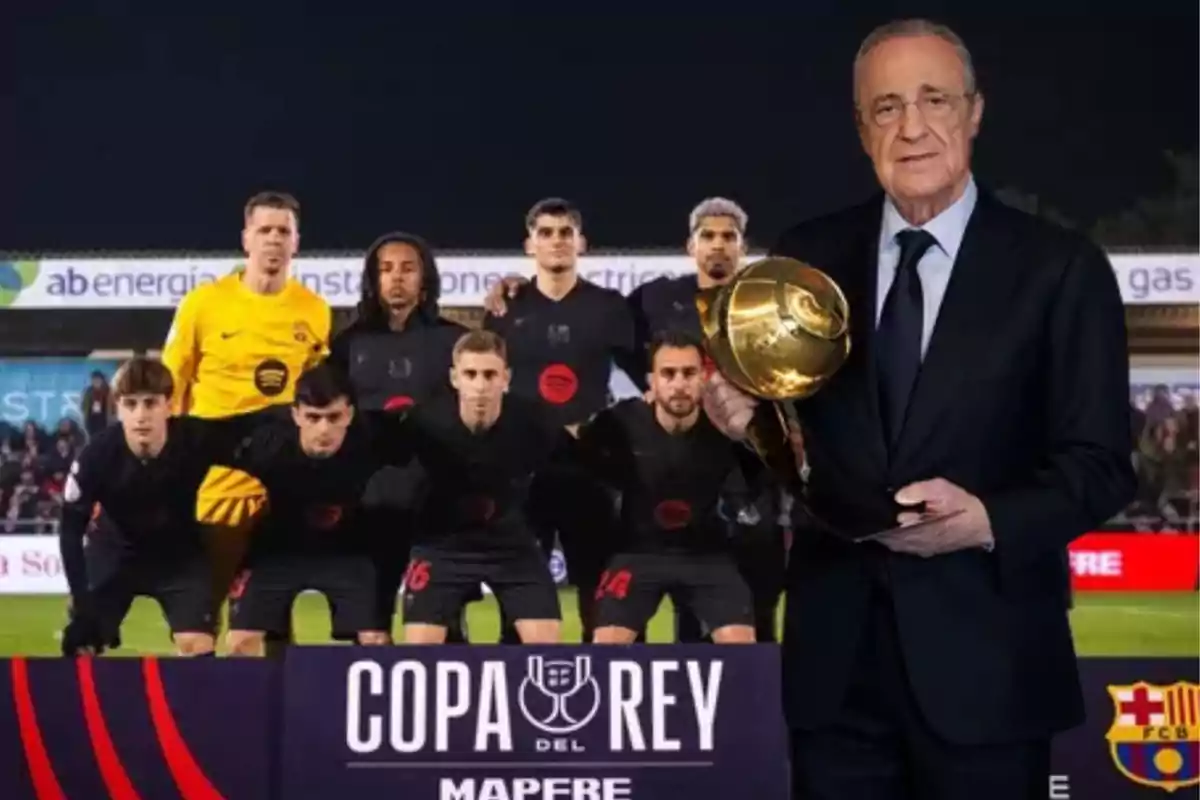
(918, 27)
(718, 207)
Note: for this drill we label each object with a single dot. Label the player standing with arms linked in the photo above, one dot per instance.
(669, 465)
(564, 334)
(481, 451)
(397, 353)
(145, 475)
(717, 243)
(236, 347)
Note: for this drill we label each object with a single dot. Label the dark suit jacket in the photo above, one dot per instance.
(1022, 400)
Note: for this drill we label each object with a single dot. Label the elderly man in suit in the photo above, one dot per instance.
(988, 381)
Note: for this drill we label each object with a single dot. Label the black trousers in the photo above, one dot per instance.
(880, 747)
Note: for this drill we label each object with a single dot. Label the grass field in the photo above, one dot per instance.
(1157, 624)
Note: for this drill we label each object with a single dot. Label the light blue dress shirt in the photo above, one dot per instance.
(935, 266)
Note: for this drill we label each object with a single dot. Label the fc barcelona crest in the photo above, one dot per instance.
(1155, 735)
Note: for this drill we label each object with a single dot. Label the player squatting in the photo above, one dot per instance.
(481, 452)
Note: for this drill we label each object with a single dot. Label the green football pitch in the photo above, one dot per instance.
(1108, 624)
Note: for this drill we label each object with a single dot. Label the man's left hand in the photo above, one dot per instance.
(969, 527)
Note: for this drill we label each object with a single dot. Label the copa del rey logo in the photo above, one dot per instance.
(567, 704)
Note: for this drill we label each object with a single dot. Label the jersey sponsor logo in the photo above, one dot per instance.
(479, 508)
(558, 384)
(1154, 738)
(323, 517)
(400, 367)
(399, 403)
(226, 335)
(271, 377)
(673, 514)
(558, 334)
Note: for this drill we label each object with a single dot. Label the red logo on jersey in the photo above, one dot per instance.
(557, 384)
(398, 403)
(673, 514)
(479, 508)
(324, 518)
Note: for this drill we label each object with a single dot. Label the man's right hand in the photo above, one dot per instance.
(82, 635)
(728, 408)
(495, 301)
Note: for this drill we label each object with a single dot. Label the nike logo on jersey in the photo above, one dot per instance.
(229, 335)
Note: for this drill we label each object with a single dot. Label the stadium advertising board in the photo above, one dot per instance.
(31, 565)
(1135, 562)
(174, 728)
(82, 283)
(45, 390)
(1120, 562)
(501, 723)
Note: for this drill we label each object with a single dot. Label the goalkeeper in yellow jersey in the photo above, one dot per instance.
(236, 347)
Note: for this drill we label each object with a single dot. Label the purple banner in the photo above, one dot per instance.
(500, 723)
(136, 728)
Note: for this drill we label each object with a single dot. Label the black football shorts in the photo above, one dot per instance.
(181, 583)
(263, 594)
(439, 582)
(708, 585)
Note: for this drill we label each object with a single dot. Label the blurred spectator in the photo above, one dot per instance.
(23, 501)
(59, 459)
(32, 438)
(1191, 425)
(69, 429)
(95, 405)
(1160, 406)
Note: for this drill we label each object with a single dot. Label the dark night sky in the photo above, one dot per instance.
(148, 132)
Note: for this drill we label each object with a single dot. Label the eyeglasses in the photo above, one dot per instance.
(932, 105)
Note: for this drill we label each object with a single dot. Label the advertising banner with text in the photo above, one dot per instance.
(1135, 562)
(509, 722)
(82, 283)
(1122, 562)
(500, 723)
(45, 390)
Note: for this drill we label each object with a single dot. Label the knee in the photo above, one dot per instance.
(424, 634)
(733, 634)
(194, 644)
(611, 634)
(245, 643)
(539, 631)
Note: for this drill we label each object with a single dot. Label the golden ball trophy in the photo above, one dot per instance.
(778, 331)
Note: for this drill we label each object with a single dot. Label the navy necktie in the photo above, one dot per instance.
(898, 339)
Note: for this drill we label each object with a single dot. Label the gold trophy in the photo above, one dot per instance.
(778, 331)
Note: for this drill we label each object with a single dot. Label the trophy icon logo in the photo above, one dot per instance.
(559, 696)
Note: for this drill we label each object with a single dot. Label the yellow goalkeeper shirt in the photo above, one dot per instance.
(234, 351)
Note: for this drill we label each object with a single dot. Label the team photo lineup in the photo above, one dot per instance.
(924, 447)
(264, 456)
